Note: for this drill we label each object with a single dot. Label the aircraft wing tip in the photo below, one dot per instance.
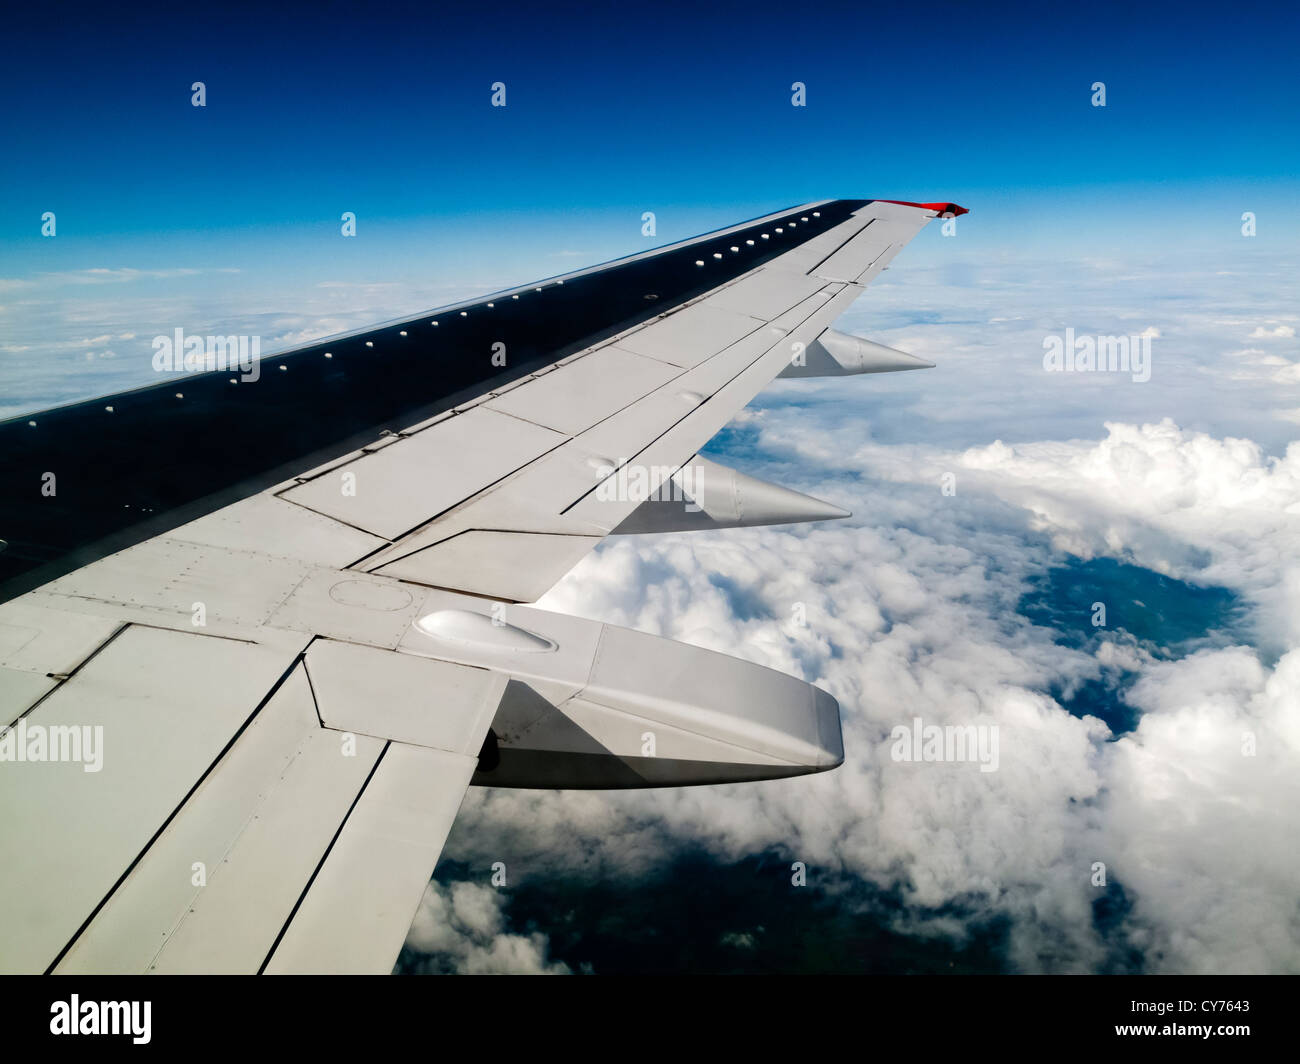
(945, 210)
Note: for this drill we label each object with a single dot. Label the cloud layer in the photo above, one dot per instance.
(911, 611)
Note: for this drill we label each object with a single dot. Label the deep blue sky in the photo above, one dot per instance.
(383, 109)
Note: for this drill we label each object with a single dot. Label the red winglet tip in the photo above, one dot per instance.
(946, 210)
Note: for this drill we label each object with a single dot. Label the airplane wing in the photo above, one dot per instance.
(261, 630)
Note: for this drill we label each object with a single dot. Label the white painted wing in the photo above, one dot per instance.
(517, 498)
(277, 769)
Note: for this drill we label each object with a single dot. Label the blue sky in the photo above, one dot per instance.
(687, 112)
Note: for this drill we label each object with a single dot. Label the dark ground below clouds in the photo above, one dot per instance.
(698, 915)
(1167, 618)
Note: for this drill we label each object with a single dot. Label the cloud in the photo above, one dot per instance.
(361, 288)
(1277, 332)
(913, 612)
(1210, 510)
(460, 925)
(114, 275)
(1199, 830)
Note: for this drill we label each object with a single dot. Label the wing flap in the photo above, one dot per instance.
(688, 337)
(234, 922)
(509, 566)
(19, 691)
(766, 292)
(270, 524)
(135, 922)
(278, 843)
(574, 397)
(401, 487)
(402, 697)
(36, 639)
(350, 919)
(163, 705)
(667, 453)
(807, 255)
